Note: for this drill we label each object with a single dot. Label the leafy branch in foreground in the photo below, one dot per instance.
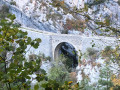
(15, 70)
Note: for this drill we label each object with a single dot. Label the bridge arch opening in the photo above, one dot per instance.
(66, 53)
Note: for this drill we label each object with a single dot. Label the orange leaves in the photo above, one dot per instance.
(58, 3)
(75, 24)
(73, 76)
(62, 2)
(115, 80)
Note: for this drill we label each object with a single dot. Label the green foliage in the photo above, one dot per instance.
(107, 52)
(107, 21)
(15, 70)
(13, 3)
(105, 78)
(59, 73)
(42, 56)
(4, 11)
(92, 53)
(85, 86)
(58, 3)
(85, 7)
(51, 85)
(112, 54)
(54, 85)
(68, 62)
(36, 87)
(48, 58)
(64, 32)
(96, 2)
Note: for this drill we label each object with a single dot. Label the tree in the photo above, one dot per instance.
(105, 81)
(4, 11)
(15, 70)
(58, 73)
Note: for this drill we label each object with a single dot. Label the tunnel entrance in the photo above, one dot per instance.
(67, 54)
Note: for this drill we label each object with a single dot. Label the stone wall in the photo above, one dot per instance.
(45, 45)
(51, 41)
(81, 43)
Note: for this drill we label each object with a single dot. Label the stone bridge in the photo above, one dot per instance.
(51, 42)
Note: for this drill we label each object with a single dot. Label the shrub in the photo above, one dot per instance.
(92, 53)
(32, 57)
(54, 16)
(48, 58)
(96, 2)
(43, 4)
(57, 3)
(43, 57)
(107, 52)
(68, 62)
(13, 3)
(4, 11)
(59, 73)
(119, 2)
(73, 76)
(74, 24)
(64, 32)
(105, 82)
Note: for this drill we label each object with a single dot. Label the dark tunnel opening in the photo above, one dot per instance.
(67, 51)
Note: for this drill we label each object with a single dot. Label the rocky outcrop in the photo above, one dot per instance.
(23, 19)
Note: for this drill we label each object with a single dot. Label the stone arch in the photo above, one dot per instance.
(57, 52)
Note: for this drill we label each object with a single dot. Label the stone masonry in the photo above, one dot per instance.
(51, 42)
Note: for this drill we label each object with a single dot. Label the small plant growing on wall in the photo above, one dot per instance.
(92, 53)
(107, 52)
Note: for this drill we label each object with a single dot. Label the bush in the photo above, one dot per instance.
(74, 24)
(13, 3)
(64, 32)
(32, 57)
(54, 16)
(43, 57)
(4, 11)
(107, 52)
(68, 62)
(57, 3)
(96, 2)
(119, 2)
(59, 73)
(48, 58)
(92, 53)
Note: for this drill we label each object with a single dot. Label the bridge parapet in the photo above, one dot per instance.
(51, 40)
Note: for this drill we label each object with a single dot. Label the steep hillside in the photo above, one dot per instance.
(73, 16)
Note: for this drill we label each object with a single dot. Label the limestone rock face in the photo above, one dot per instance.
(44, 15)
